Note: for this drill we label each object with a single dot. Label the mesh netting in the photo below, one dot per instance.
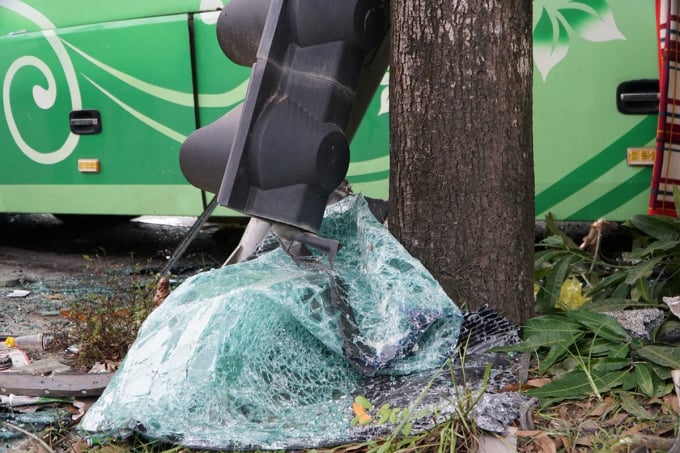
(267, 353)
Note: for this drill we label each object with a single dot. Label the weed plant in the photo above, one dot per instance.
(605, 387)
(106, 324)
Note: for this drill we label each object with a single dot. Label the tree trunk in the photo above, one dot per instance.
(461, 183)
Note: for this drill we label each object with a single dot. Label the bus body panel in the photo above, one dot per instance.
(155, 72)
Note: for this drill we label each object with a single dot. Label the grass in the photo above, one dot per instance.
(104, 323)
(599, 388)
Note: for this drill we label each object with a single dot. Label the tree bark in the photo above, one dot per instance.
(461, 182)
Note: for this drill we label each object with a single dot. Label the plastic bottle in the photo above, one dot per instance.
(34, 342)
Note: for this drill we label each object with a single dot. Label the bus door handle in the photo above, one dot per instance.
(638, 97)
(85, 122)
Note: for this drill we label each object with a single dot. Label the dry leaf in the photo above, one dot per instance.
(598, 229)
(162, 291)
(73, 315)
(537, 383)
(601, 408)
(546, 444)
(615, 420)
(585, 441)
(671, 401)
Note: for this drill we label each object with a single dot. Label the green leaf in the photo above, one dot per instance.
(642, 288)
(657, 226)
(643, 377)
(540, 273)
(550, 292)
(363, 402)
(668, 328)
(630, 405)
(610, 281)
(661, 387)
(619, 351)
(554, 241)
(628, 382)
(622, 291)
(545, 331)
(551, 227)
(612, 304)
(656, 246)
(642, 270)
(661, 372)
(383, 414)
(667, 287)
(600, 325)
(543, 257)
(555, 353)
(594, 347)
(576, 385)
(385, 447)
(603, 364)
(668, 356)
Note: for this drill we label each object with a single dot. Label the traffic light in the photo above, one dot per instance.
(315, 67)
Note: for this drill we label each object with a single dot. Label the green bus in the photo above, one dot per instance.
(97, 99)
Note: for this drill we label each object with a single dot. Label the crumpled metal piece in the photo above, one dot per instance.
(451, 391)
(495, 411)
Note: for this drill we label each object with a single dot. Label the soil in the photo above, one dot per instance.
(59, 262)
(47, 265)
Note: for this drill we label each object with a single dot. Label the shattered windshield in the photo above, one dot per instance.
(268, 353)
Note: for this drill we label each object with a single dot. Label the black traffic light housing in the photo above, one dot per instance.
(315, 67)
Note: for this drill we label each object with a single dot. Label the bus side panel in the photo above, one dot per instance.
(580, 139)
(137, 75)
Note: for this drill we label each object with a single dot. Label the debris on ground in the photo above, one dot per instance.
(639, 323)
(40, 341)
(162, 291)
(56, 384)
(271, 352)
(36, 395)
(673, 304)
(591, 241)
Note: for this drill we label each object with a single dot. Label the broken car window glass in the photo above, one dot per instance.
(268, 353)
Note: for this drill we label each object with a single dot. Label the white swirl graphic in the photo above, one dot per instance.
(44, 97)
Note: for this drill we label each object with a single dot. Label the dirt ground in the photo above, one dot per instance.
(58, 262)
(47, 265)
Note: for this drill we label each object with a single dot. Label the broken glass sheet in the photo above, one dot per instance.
(267, 353)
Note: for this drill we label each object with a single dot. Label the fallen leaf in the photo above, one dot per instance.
(73, 315)
(635, 429)
(591, 241)
(616, 419)
(546, 444)
(162, 291)
(601, 408)
(671, 401)
(361, 414)
(538, 383)
(585, 441)
(674, 304)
